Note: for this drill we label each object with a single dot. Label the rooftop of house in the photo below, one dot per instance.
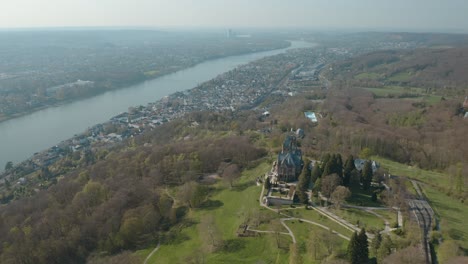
(359, 164)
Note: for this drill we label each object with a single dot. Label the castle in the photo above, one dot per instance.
(289, 163)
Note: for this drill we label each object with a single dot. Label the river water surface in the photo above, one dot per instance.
(21, 137)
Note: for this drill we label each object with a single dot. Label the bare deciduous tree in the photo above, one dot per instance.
(340, 194)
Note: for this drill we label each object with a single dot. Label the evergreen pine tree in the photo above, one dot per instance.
(348, 168)
(353, 249)
(303, 184)
(317, 186)
(363, 247)
(375, 244)
(7, 184)
(366, 176)
(316, 173)
(267, 184)
(327, 169)
(9, 166)
(339, 165)
(308, 169)
(333, 164)
(326, 158)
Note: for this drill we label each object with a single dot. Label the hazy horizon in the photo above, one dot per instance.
(359, 15)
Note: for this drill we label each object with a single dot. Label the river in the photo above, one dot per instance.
(21, 137)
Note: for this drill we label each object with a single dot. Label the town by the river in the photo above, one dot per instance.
(20, 138)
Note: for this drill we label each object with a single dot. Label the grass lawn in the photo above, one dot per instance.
(410, 188)
(304, 231)
(367, 75)
(432, 99)
(429, 177)
(177, 252)
(400, 77)
(235, 205)
(261, 249)
(366, 219)
(395, 90)
(361, 197)
(399, 90)
(144, 252)
(453, 214)
(391, 215)
(315, 216)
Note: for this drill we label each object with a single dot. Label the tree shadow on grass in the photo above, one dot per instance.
(465, 250)
(181, 212)
(174, 237)
(233, 245)
(211, 204)
(241, 187)
(455, 234)
(444, 206)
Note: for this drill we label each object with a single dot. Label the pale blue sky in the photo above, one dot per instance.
(364, 14)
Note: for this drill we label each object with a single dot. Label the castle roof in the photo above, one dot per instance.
(290, 159)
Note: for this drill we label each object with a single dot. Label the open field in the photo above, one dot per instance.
(313, 215)
(429, 177)
(400, 77)
(367, 75)
(419, 94)
(453, 214)
(236, 205)
(361, 197)
(310, 252)
(360, 218)
(395, 90)
(390, 215)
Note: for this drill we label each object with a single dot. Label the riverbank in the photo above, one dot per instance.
(150, 77)
(21, 137)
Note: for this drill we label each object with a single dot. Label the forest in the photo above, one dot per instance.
(106, 204)
(120, 203)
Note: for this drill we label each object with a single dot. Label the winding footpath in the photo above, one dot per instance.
(289, 218)
(152, 253)
(159, 242)
(289, 229)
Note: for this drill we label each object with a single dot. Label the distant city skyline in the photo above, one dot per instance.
(414, 15)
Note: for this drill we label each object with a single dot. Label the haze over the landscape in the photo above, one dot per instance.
(236, 131)
(417, 15)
